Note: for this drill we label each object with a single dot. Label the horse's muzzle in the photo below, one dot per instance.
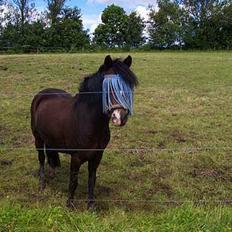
(119, 116)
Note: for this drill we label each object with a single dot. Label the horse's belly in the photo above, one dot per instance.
(51, 122)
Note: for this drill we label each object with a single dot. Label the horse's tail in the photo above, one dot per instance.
(53, 159)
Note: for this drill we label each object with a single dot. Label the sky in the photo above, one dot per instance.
(91, 9)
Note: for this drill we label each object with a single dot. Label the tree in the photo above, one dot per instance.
(135, 30)
(113, 29)
(221, 27)
(54, 9)
(68, 32)
(10, 25)
(203, 22)
(23, 7)
(165, 25)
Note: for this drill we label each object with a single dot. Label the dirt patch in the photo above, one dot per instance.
(3, 68)
(152, 132)
(103, 190)
(37, 197)
(161, 145)
(178, 136)
(159, 187)
(29, 198)
(214, 173)
(22, 140)
(6, 162)
(140, 161)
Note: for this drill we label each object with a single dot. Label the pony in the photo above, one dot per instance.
(79, 125)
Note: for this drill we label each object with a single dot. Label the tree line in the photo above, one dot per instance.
(172, 24)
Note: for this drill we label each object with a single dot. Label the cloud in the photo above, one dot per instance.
(142, 11)
(127, 4)
(4, 11)
(91, 22)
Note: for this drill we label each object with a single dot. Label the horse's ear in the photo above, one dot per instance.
(108, 61)
(128, 61)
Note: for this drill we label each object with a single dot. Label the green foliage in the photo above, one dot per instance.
(112, 32)
(193, 24)
(135, 28)
(204, 22)
(66, 32)
(54, 9)
(165, 25)
(118, 30)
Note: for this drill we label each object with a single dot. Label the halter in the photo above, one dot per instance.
(115, 88)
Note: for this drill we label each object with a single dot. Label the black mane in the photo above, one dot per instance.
(91, 87)
(122, 69)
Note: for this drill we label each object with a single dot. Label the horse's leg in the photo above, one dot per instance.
(92, 168)
(73, 182)
(41, 157)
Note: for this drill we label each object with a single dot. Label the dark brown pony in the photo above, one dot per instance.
(76, 125)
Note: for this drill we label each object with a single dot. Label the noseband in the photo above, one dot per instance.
(116, 93)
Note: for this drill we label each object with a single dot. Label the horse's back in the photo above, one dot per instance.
(49, 109)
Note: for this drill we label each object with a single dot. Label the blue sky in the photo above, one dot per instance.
(91, 9)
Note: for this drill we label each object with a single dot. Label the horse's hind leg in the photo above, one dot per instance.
(41, 157)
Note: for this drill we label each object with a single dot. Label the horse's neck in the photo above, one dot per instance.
(89, 114)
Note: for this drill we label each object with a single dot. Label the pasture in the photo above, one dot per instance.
(168, 169)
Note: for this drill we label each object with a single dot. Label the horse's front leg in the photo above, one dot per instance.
(92, 168)
(73, 182)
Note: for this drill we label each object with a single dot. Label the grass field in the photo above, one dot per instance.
(183, 109)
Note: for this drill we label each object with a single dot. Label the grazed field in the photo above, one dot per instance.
(183, 111)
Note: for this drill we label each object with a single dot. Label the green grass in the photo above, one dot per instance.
(185, 218)
(183, 102)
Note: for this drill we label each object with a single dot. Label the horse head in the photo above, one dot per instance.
(117, 89)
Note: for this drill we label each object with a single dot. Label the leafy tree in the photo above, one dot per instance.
(23, 7)
(204, 21)
(112, 32)
(134, 34)
(165, 25)
(35, 34)
(10, 23)
(68, 32)
(54, 9)
(224, 27)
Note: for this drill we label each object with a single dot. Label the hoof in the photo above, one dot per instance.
(70, 204)
(52, 173)
(91, 206)
(42, 187)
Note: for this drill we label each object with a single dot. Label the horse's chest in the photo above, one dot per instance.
(95, 138)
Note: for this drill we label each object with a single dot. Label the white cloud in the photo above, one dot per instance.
(91, 22)
(4, 9)
(142, 11)
(128, 4)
